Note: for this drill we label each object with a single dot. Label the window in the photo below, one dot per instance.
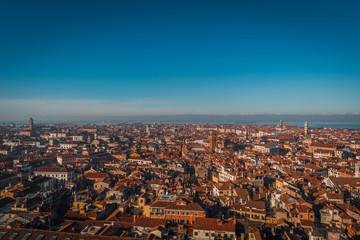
(173, 212)
(183, 213)
(187, 213)
(207, 234)
(231, 235)
(26, 236)
(196, 233)
(213, 234)
(301, 216)
(225, 235)
(53, 238)
(196, 214)
(311, 216)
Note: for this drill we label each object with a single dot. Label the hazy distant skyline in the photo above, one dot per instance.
(109, 58)
(314, 121)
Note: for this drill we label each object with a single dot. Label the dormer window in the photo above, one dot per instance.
(181, 203)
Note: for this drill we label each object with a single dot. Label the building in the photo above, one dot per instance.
(223, 189)
(21, 233)
(143, 225)
(313, 169)
(212, 141)
(31, 124)
(212, 228)
(157, 209)
(225, 176)
(357, 169)
(321, 147)
(61, 174)
(64, 159)
(6, 179)
(184, 212)
(68, 145)
(253, 211)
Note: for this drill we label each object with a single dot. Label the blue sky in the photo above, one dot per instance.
(92, 58)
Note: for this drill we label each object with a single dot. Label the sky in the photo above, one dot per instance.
(67, 58)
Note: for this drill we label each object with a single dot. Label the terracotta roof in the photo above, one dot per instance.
(149, 222)
(161, 204)
(214, 224)
(189, 207)
(93, 175)
(256, 204)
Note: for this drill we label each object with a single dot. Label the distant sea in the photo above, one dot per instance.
(314, 121)
(297, 123)
(353, 125)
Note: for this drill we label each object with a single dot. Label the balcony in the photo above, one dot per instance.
(154, 214)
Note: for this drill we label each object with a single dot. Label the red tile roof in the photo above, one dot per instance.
(214, 224)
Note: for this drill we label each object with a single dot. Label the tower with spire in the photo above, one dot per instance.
(306, 129)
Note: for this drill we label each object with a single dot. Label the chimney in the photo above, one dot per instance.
(134, 218)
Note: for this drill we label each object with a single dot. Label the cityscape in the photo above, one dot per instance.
(179, 120)
(179, 181)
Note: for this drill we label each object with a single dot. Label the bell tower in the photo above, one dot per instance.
(212, 141)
